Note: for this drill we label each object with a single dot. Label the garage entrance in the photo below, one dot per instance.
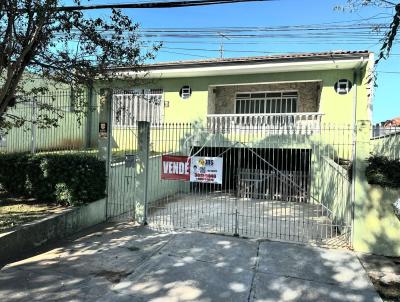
(288, 186)
(262, 173)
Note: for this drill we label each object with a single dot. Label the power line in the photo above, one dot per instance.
(389, 72)
(185, 54)
(162, 4)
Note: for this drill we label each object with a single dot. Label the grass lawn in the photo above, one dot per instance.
(17, 211)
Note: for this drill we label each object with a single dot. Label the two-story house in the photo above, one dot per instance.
(283, 125)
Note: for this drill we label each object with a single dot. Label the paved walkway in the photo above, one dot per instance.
(127, 263)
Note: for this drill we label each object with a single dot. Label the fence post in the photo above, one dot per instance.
(89, 117)
(33, 126)
(105, 136)
(142, 171)
(360, 194)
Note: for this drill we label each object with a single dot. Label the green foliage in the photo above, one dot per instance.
(64, 48)
(10, 166)
(67, 179)
(383, 171)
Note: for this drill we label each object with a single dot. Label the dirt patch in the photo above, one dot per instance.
(384, 273)
(15, 211)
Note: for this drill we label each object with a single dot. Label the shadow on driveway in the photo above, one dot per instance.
(123, 262)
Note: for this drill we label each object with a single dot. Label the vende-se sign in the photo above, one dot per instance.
(175, 167)
(206, 169)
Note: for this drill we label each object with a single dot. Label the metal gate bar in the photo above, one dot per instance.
(307, 208)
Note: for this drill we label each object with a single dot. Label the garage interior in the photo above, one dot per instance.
(260, 173)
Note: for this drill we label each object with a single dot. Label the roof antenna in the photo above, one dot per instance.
(221, 50)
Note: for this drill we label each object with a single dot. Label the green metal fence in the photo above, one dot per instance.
(72, 122)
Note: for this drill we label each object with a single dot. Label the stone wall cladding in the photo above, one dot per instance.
(309, 95)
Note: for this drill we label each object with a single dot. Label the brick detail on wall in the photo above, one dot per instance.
(224, 96)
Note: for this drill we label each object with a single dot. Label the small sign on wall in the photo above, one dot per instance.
(175, 167)
(206, 169)
(103, 130)
(3, 141)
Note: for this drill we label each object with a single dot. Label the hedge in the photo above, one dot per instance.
(67, 179)
(383, 171)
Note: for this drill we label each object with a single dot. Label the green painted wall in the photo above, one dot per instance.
(381, 227)
(331, 186)
(337, 108)
(158, 188)
(376, 228)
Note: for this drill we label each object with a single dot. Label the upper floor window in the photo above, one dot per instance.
(266, 102)
(132, 106)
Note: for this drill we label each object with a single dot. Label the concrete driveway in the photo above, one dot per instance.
(123, 262)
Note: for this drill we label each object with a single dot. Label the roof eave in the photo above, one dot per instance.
(250, 68)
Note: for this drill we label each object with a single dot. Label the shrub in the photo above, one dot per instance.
(67, 179)
(11, 178)
(383, 171)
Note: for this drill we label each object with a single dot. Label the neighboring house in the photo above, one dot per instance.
(395, 122)
(385, 139)
(387, 127)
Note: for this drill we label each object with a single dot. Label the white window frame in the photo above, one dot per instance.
(186, 92)
(265, 92)
(138, 109)
(346, 89)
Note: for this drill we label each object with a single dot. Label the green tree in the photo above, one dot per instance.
(390, 35)
(38, 39)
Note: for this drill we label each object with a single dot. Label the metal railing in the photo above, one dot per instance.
(281, 122)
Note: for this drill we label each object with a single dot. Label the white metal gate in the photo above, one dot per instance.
(292, 186)
(291, 181)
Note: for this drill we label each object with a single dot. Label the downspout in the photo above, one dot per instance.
(356, 74)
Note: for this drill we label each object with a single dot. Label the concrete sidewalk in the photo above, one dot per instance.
(123, 262)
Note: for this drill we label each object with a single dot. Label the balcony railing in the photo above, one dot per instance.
(276, 123)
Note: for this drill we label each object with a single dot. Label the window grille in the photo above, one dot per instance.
(266, 102)
(185, 92)
(343, 86)
(138, 105)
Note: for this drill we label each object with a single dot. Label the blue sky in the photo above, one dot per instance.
(276, 13)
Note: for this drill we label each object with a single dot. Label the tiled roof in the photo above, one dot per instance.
(338, 54)
(292, 57)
